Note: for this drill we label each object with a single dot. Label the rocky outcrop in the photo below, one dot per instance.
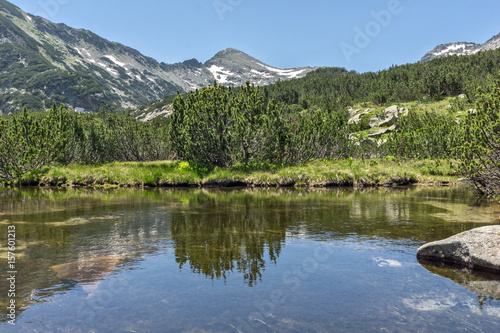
(449, 49)
(476, 249)
(388, 116)
(356, 117)
(382, 131)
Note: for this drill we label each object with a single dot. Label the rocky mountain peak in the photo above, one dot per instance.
(461, 48)
(55, 62)
(233, 67)
(448, 49)
(492, 44)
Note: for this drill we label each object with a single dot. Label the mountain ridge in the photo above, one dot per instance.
(461, 48)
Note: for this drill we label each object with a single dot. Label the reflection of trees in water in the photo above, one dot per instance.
(215, 232)
(219, 237)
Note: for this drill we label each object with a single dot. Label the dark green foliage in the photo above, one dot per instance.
(335, 88)
(424, 135)
(131, 140)
(220, 127)
(106, 137)
(379, 98)
(480, 149)
(317, 135)
(28, 142)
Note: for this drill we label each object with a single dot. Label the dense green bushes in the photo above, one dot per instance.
(425, 135)
(218, 126)
(29, 141)
(110, 137)
(480, 151)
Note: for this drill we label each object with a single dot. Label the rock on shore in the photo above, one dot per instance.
(476, 249)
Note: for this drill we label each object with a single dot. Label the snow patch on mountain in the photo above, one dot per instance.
(463, 48)
(290, 73)
(108, 69)
(113, 59)
(262, 74)
(220, 74)
(453, 48)
(445, 50)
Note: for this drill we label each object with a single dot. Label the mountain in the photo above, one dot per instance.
(42, 62)
(462, 48)
(233, 67)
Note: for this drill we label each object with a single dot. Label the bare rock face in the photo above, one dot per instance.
(388, 117)
(462, 48)
(356, 117)
(476, 249)
(58, 63)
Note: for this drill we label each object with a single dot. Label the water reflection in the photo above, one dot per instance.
(486, 285)
(77, 238)
(88, 273)
(218, 237)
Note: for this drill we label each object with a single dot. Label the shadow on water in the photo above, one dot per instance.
(485, 284)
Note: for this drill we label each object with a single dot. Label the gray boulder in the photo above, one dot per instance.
(387, 118)
(382, 131)
(476, 249)
(352, 112)
(357, 118)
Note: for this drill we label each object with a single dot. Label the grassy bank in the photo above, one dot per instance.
(347, 173)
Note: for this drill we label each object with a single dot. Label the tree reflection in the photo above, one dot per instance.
(217, 237)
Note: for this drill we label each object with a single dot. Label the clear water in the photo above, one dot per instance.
(241, 261)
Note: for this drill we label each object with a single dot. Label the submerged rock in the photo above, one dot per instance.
(87, 271)
(476, 249)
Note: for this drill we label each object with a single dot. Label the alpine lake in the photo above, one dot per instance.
(239, 260)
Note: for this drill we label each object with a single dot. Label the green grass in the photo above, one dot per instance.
(336, 173)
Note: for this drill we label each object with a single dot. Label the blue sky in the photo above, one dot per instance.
(361, 35)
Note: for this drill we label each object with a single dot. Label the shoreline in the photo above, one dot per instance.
(232, 185)
(315, 174)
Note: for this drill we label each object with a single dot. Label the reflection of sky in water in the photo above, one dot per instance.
(208, 262)
(314, 287)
